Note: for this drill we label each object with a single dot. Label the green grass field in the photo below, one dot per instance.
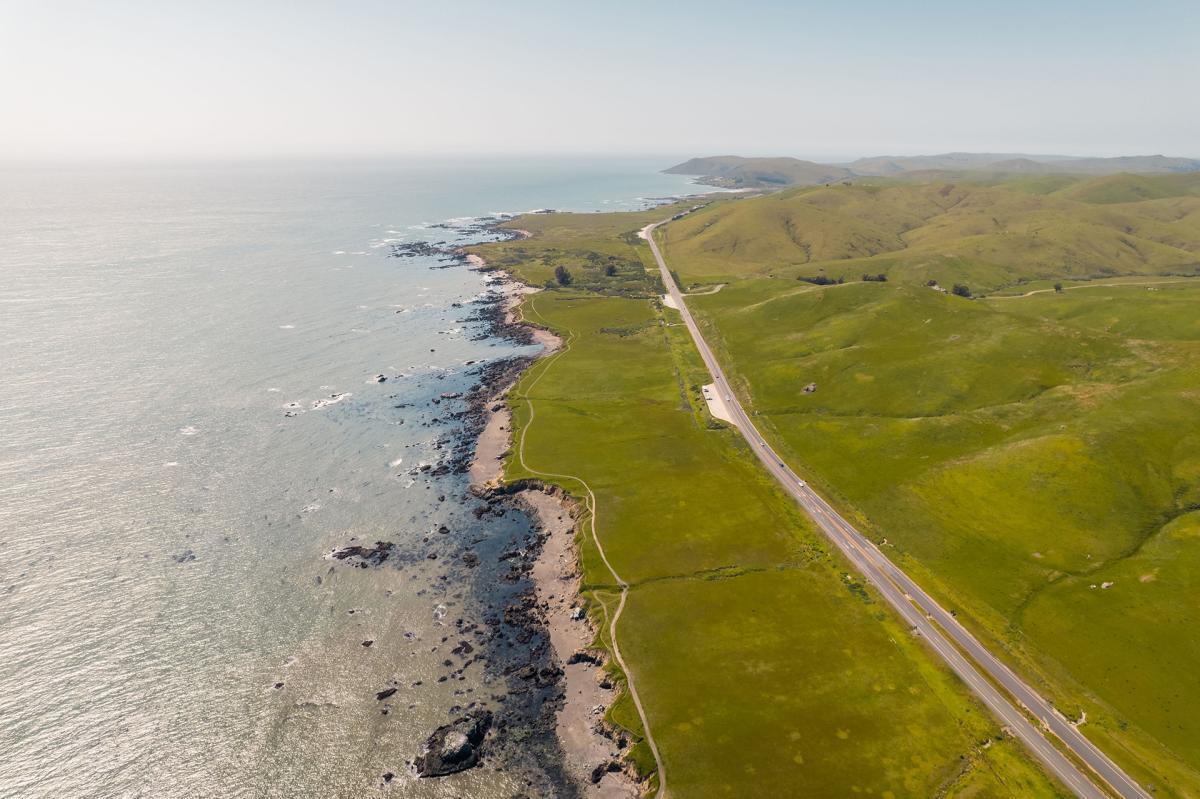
(1015, 451)
(766, 669)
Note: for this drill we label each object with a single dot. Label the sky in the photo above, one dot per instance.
(230, 80)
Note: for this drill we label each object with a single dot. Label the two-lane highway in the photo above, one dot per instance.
(917, 608)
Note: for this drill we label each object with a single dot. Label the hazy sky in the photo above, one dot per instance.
(169, 79)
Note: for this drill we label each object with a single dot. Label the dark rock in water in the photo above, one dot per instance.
(366, 555)
(388, 777)
(445, 254)
(456, 746)
(368, 642)
(278, 685)
(385, 693)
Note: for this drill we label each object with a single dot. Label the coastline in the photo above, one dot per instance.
(594, 754)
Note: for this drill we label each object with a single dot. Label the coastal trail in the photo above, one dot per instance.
(590, 506)
(1009, 698)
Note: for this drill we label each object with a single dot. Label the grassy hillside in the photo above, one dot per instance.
(732, 171)
(988, 236)
(765, 668)
(1127, 188)
(887, 165)
(1031, 459)
(738, 172)
(1017, 163)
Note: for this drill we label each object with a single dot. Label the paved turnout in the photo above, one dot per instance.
(927, 617)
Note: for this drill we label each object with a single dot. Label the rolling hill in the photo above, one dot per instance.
(988, 235)
(731, 171)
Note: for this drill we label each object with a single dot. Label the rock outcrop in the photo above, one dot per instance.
(456, 746)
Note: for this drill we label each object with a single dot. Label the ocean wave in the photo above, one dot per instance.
(332, 399)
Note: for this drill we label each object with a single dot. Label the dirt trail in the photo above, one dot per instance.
(1089, 286)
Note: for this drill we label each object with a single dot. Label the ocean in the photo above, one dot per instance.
(192, 421)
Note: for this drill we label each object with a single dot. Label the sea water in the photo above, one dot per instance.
(191, 422)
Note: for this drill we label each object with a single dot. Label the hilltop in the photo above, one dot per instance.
(735, 172)
(731, 171)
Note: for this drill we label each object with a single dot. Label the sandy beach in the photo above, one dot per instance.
(556, 578)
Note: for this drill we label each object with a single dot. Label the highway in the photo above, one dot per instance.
(932, 622)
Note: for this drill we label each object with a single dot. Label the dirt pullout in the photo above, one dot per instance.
(593, 753)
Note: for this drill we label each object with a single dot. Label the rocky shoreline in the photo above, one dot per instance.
(531, 634)
(592, 751)
(518, 732)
